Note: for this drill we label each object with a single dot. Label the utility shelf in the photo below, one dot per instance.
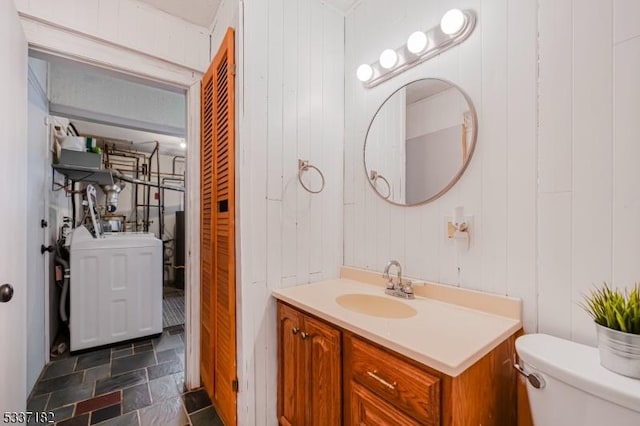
(85, 174)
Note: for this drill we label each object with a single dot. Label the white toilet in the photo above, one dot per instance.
(576, 389)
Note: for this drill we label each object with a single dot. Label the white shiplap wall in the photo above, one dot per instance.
(589, 192)
(129, 23)
(291, 107)
(553, 186)
(496, 66)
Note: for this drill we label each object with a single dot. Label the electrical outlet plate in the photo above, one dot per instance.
(451, 230)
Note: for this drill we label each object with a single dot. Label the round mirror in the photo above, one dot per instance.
(420, 141)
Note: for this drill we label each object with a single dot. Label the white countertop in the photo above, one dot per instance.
(443, 336)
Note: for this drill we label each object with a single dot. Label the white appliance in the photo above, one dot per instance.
(116, 288)
(576, 389)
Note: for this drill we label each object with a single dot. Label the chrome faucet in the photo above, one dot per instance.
(397, 289)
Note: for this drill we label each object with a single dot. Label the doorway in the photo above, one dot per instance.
(161, 169)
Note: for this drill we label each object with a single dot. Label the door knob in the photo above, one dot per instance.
(6, 293)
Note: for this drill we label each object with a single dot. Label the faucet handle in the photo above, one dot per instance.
(408, 287)
(390, 285)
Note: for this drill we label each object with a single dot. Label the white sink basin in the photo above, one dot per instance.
(376, 306)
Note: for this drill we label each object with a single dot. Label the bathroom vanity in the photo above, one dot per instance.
(447, 360)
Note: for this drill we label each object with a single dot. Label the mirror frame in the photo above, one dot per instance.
(462, 169)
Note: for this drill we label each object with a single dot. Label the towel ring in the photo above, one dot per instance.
(374, 179)
(303, 166)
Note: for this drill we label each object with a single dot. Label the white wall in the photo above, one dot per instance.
(589, 192)
(555, 204)
(434, 143)
(291, 108)
(127, 23)
(433, 160)
(226, 16)
(496, 66)
(36, 167)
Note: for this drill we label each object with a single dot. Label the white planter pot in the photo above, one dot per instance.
(619, 352)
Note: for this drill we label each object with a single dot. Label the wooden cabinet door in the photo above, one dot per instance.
(367, 409)
(291, 383)
(217, 233)
(309, 370)
(324, 373)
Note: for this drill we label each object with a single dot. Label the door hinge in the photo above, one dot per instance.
(235, 385)
(233, 69)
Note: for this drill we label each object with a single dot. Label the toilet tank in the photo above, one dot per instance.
(577, 390)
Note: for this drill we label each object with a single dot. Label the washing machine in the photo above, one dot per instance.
(115, 287)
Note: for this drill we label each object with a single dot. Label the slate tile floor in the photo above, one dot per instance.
(133, 384)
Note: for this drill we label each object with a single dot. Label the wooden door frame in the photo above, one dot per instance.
(54, 40)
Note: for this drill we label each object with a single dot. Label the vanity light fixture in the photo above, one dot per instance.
(417, 42)
(388, 58)
(365, 72)
(452, 22)
(455, 26)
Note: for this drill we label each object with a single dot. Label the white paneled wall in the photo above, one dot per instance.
(496, 66)
(291, 107)
(589, 193)
(127, 23)
(554, 184)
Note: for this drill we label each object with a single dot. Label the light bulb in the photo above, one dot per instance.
(183, 145)
(452, 22)
(364, 72)
(417, 42)
(388, 58)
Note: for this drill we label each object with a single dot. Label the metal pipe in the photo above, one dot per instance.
(148, 184)
(135, 204)
(160, 193)
(173, 170)
(65, 289)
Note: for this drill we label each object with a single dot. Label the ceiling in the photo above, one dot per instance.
(343, 5)
(199, 12)
(202, 12)
(421, 89)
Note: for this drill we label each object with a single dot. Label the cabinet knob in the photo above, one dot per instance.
(295, 330)
(304, 335)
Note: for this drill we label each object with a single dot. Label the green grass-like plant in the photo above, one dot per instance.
(614, 309)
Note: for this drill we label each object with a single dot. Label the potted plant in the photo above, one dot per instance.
(617, 318)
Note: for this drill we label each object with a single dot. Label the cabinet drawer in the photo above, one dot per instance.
(371, 410)
(402, 385)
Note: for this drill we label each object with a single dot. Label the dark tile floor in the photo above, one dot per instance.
(133, 384)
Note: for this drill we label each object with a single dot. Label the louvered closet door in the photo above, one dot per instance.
(218, 358)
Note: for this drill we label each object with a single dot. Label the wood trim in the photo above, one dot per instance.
(192, 201)
(464, 143)
(67, 43)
